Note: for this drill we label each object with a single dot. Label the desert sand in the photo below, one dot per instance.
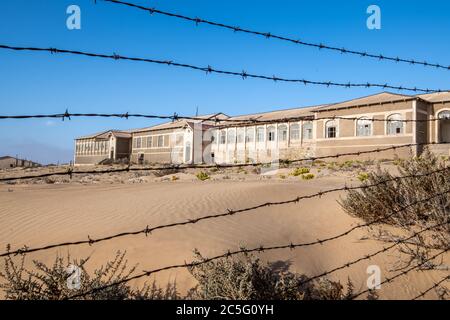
(39, 214)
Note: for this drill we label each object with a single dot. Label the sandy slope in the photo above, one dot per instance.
(40, 214)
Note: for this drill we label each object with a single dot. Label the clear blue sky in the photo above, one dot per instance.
(43, 83)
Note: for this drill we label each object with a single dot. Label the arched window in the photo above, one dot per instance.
(282, 133)
(260, 134)
(295, 131)
(444, 115)
(363, 127)
(331, 129)
(231, 136)
(395, 124)
(223, 137)
(271, 133)
(250, 135)
(307, 130)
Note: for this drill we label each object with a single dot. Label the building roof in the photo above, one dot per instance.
(6, 157)
(379, 98)
(436, 97)
(18, 159)
(107, 133)
(206, 119)
(279, 114)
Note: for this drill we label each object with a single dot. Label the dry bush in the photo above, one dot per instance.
(382, 200)
(388, 201)
(245, 277)
(50, 282)
(242, 277)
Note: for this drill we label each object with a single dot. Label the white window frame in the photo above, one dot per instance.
(369, 122)
(388, 122)
(327, 126)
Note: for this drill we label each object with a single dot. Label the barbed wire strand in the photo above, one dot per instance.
(208, 70)
(436, 285)
(214, 119)
(270, 35)
(259, 249)
(70, 172)
(148, 230)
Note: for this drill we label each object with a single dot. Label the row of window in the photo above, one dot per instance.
(159, 141)
(91, 147)
(248, 135)
(364, 126)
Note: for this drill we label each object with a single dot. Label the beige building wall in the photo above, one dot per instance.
(348, 140)
(161, 146)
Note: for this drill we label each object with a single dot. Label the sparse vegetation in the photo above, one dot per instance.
(202, 176)
(299, 171)
(429, 192)
(308, 176)
(381, 200)
(245, 277)
(242, 277)
(363, 176)
(44, 282)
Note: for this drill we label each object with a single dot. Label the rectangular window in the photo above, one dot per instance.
(160, 142)
(250, 135)
(260, 135)
(138, 143)
(331, 132)
(363, 130)
(166, 141)
(149, 142)
(240, 136)
(307, 131)
(179, 140)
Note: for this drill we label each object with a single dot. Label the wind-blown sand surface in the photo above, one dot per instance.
(36, 215)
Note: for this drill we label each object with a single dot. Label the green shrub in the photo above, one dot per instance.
(308, 176)
(299, 171)
(202, 176)
(363, 176)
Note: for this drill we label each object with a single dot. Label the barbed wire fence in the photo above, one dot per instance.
(242, 122)
(209, 70)
(230, 212)
(270, 35)
(260, 249)
(70, 171)
(209, 120)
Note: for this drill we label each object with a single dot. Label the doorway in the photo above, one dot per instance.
(444, 126)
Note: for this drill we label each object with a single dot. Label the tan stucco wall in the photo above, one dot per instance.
(90, 159)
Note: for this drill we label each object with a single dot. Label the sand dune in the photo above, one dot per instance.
(36, 215)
